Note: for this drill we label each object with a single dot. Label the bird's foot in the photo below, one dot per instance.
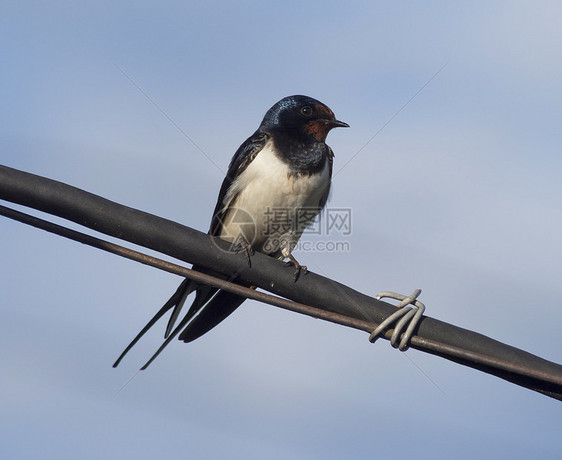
(405, 314)
(247, 248)
(298, 267)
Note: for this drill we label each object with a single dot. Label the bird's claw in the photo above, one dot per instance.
(247, 248)
(405, 314)
(298, 270)
(298, 267)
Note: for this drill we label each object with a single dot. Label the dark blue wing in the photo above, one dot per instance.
(240, 161)
(223, 303)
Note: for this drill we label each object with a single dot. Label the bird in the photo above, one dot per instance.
(277, 182)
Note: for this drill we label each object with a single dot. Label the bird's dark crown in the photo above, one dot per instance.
(301, 116)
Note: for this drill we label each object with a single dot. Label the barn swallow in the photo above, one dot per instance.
(277, 182)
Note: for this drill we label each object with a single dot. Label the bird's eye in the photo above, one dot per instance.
(306, 111)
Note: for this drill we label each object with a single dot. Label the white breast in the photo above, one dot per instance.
(262, 192)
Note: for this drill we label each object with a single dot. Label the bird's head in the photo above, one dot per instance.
(301, 116)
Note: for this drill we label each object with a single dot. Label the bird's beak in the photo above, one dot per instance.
(338, 124)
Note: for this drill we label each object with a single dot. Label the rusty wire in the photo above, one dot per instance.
(367, 326)
(317, 296)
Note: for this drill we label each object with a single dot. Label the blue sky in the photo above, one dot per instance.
(458, 195)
